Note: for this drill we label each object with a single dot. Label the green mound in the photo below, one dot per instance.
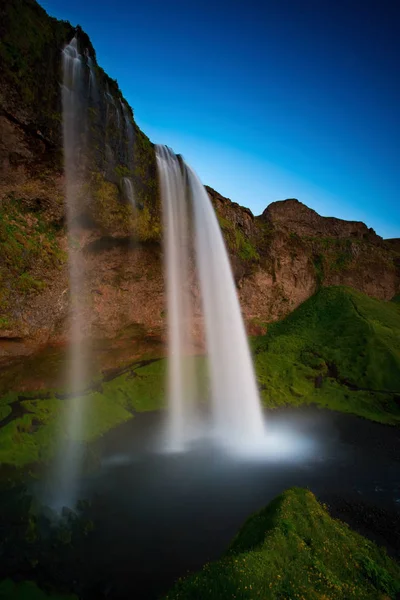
(27, 590)
(339, 349)
(294, 549)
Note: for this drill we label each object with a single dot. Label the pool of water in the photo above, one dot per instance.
(159, 515)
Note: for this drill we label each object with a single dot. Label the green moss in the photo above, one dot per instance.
(335, 255)
(122, 171)
(27, 590)
(146, 187)
(26, 283)
(318, 261)
(109, 212)
(236, 241)
(293, 548)
(340, 349)
(40, 421)
(146, 228)
(28, 246)
(39, 424)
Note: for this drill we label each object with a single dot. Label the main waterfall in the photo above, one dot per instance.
(236, 415)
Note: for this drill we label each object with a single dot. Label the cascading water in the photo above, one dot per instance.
(128, 191)
(236, 414)
(176, 227)
(93, 89)
(69, 460)
(128, 126)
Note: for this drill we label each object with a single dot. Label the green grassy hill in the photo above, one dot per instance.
(339, 349)
(293, 549)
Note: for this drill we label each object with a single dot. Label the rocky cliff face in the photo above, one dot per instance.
(279, 258)
(295, 217)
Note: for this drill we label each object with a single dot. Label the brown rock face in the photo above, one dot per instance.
(279, 259)
(295, 217)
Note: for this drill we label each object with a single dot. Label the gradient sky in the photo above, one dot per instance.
(266, 100)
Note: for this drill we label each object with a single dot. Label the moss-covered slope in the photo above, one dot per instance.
(339, 349)
(27, 590)
(294, 549)
(32, 424)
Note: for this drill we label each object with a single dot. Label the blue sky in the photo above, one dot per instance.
(265, 100)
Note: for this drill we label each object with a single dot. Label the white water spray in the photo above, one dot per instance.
(236, 419)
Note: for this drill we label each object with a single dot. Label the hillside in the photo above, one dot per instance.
(294, 549)
(339, 349)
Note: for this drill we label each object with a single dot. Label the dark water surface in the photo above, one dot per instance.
(159, 515)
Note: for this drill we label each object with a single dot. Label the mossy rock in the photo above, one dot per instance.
(293, 548)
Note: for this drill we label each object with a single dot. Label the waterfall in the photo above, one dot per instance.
(128, 191)
(69, 460)
(129, 133)
(176, 227)
(128, 124)
(236, 415)
(93, 89)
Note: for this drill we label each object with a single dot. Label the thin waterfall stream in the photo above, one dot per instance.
(68, 463)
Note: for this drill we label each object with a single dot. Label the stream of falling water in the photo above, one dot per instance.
(69, 462)
(236, 415)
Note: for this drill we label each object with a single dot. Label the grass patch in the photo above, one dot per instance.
(293, 548)
(27, 590)
(34, 433)
(339, 349)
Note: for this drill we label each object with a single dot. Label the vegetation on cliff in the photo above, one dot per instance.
(30, 249)
(293, 548)
(30, 64)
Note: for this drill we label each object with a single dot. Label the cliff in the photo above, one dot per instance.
(283, 256)
(279, 258)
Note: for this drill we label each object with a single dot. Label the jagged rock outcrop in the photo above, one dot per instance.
(279, 258)
(295, 217)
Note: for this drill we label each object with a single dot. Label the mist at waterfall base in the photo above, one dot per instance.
(159, 514)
